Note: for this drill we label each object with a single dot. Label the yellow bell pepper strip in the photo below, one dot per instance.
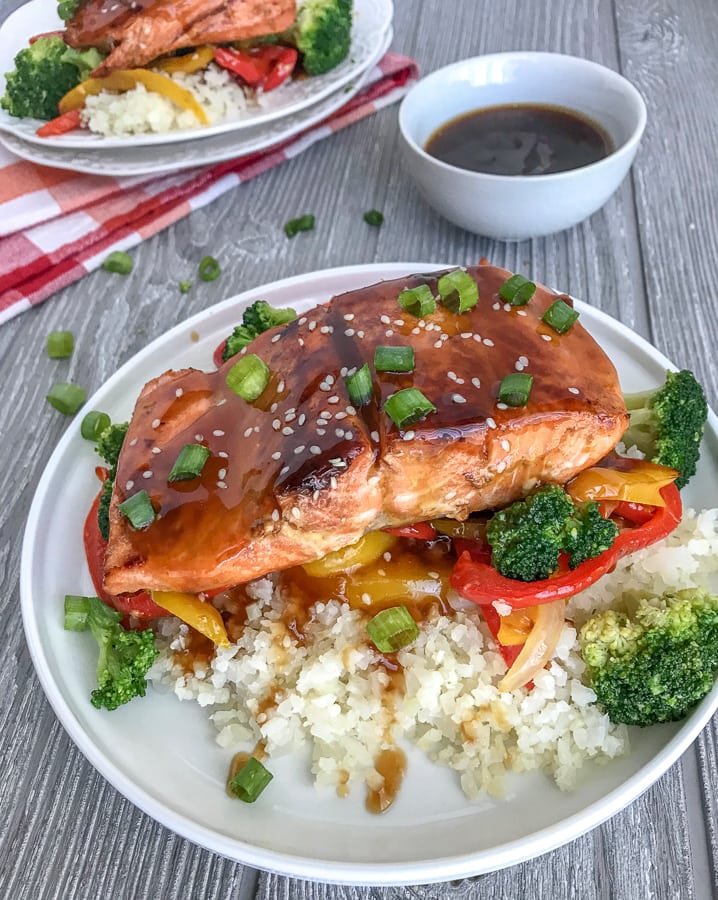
(362, 552)
(126, 80)
(196, 613)
(516, 626)
(641, 483)
(200, 58)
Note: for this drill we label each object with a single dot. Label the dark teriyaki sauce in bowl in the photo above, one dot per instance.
(520, 139)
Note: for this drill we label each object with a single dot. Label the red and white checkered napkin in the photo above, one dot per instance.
(57, 225)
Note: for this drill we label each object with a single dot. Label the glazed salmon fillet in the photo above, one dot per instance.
(302, 471)
(135, 32)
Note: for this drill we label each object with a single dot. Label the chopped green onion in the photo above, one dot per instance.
(250, 781)
(515, 389)
(560, 316)
(458, 291)
(138, 510)
(93, 424)
(76, 612)
(66, 398)
(118, 262)
(418, 301)
(184, 287)
(208, 269)
(360, 387)
(517, 290)
(374, 217)
(394, 359)
(303, 223)
(407, 407)
(189, 463)
(249, 377)
(393, 628)
(60, 344)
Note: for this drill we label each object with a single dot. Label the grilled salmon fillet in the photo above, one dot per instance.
(135, 32)
(302, 472)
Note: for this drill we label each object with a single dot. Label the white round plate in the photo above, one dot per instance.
(161, 754)
(372, 18)
(131, 160)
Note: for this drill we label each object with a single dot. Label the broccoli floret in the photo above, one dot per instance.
(667, 423)
(321, 33)
(44, 72)
(258, 317)
(527, 537)
(656, 664)
(108, 446)
(125, 657)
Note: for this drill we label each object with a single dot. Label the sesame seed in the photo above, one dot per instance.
(501, 405)
(385, 320)
(325, 414)
(351, 371)
(286, 431)
(466, 334)
(222, 474)
(349, 435)
(388, 332)
(134, 441)
(300, 341)
(343, 371)
(458, 398)
(179, 392)
(321, 432)
(573, 390)
(476, 382)
(280, 387)
(275, 515)
(295, 512)
(366, 599)
(348, 317)
(315, 450)
(360, 334)
(156, 450)
(221, 485)
(329, 379)
(147, 474)
(326, 329)
(546, 337)
(340, 415)
(349, 332)
(488, 342)
(312, 325)
(519, 366)
(521, 312)
(490, 422)
(323, 386)
(129, 485)
(300, 449)
(276, 455)
(409, 435)
(496, 305)
(155, 424)
(276, 338)
(507, 307)
(302, 321)
(223, 454)
(460, 380)
(290, 415)
(276, 425)
(438, 343)
(387, 556)
(523, 360)
(339, 432)
(451, 375)
(273, 407)
(398, 321)
(375, 436)
(477, 338)
(302, 419)
(416, 330)
(505, 445)
(284, 471)
(256, 428)
(339, 463)
(333, 399)
(422, 323)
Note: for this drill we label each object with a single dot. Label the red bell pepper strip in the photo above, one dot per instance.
(217, 355)
(250, 68)
(262, 67)
(68, 121)
(282, 68)
(139, 605)
(421, 531)
(480, 582)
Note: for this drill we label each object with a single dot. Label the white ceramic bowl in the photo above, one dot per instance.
(512, 207)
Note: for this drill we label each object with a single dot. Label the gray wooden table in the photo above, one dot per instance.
(648, 258)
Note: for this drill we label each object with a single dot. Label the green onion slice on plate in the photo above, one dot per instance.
(560, 316)
(249, 377)
(515, 389)
(250, 781)
(458, 291)
(394, 359)
(393, 628)
(189, 463)
(418, 301)
(407, 407)
(93, 424)
(517, 290)
(138, 510)
(360, 387)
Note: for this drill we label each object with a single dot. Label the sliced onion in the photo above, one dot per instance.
(539, 647)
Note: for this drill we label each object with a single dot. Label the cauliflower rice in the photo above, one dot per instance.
(140, 111)
(333, 693)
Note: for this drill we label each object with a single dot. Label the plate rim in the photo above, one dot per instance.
(330, 870)
(98, 142)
